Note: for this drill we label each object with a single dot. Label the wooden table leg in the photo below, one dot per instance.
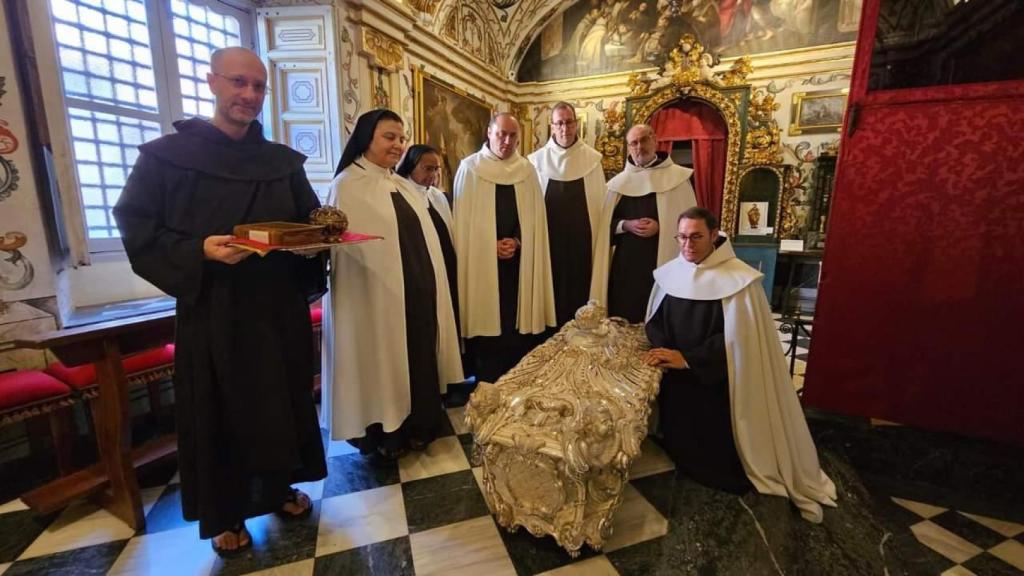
(114, 438)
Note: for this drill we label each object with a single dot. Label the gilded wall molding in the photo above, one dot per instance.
(730, 112)
(383, 51)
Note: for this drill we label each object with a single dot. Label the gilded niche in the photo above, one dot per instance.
(558, 433)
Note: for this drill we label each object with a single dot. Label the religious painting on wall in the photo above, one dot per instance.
(602, 36)
(450, 120)
(817, 112)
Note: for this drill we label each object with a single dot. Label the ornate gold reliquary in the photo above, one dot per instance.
(558, 433)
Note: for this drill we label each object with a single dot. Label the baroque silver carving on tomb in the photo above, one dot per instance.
(558, 433)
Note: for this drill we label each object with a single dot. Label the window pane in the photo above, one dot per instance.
(198, 31)
(927, 43)
(115, 142)
(114, 47)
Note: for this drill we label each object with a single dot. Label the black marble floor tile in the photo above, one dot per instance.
(78, 562)
(658, 489)
(353, 473)
(466, 440)
(166, 513)
(18, 530)
(388, 558)
(975, 533)
(441, 500)
(532, 554)
(934, 467)
(649, 558)
(985, 564)
(276, 542)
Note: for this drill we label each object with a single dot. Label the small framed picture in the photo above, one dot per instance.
(817, 112)
(754, 219)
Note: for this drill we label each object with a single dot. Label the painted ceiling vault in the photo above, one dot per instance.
(497, 32)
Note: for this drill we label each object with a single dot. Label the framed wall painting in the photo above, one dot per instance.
(817, 112)
(450, 120)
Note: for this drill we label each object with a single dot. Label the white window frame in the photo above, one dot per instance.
(159, 19)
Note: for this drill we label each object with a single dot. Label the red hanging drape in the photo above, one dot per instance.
(703, 126)
(709, 179)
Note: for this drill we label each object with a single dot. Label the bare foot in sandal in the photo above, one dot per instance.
(231, 542)
(296, 505)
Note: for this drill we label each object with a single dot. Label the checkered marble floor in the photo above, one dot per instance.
(803, 343)
(972, 543)
(424, 514)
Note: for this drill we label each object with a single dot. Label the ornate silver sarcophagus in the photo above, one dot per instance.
(558, 433)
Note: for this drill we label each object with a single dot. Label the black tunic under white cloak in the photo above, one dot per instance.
(696, 421)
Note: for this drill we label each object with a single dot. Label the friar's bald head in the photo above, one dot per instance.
(503, 135)
(238, 80)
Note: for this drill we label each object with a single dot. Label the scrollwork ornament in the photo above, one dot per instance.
(559, 432)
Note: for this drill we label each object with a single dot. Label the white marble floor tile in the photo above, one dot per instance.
(314, 489)
(81, 524)
(443, 456)
(471, 547)
(958, 570)
(13, 506)
(301, 568)
(458, 418)
(635, 521)
(596, 566)
(170, 553)
(1011, 552)
(920, 508)
(478, 474)
(944, 542)
(340, 448)
(652, 460)
(361, 518)
(4, 567)
(1004, 527)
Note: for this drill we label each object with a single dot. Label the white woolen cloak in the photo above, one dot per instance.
(772, 438)
(671, 182)
(476, 245)
(366, 367)
(568, 164)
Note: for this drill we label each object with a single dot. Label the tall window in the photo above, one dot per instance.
(129, 69)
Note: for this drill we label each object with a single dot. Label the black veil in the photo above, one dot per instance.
(362, 135)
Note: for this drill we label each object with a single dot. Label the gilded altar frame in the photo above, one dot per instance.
(754, 137)
(730, 102)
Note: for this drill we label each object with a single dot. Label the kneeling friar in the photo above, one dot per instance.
(735, 417)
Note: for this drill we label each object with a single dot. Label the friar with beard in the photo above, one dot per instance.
(247, 427)
(632, 242)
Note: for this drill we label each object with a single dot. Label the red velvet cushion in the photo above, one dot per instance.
(85, 375)
(27, 386)
(316, 315)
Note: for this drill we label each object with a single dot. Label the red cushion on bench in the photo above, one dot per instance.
(24, 387)
(316, 315)
(85, 375)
